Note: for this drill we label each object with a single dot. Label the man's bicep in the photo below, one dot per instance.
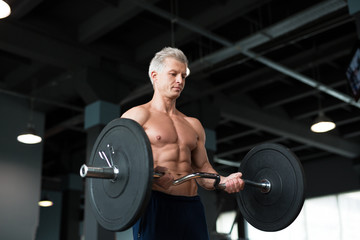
(199, 155)
(200, 160)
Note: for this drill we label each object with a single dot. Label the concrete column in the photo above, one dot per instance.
(70, 225)
(97, 115)
(20, 171)
(50, 217)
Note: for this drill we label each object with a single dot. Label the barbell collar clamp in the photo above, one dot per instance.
(105, 172)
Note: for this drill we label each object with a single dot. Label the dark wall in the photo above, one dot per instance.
(330, 176)
(20, 171)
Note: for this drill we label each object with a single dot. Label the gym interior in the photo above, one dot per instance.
(262, 71)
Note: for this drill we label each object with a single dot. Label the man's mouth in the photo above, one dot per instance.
(177, 88)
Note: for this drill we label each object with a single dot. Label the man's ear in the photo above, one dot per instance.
(154, 76)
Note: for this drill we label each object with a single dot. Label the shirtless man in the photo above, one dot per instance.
(178, 147)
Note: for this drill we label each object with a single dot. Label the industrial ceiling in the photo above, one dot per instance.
(260, 69)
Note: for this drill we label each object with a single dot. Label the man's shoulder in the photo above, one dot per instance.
(193, 121)
(137, 109)
(139, 113)
(140, 108)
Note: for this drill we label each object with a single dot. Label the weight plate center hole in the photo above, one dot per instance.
(266, 186)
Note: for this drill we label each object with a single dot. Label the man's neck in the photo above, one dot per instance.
(163, 104)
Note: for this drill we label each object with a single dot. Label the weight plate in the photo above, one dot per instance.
(278, 208)
(117, 204)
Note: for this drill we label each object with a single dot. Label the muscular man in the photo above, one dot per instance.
(178, 147)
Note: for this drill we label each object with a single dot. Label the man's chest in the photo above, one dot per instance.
(166, 130)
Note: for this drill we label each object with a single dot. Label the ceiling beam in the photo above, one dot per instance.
(107, 19)
(22, 73)
(20, 8)
(296, 97)
(286, 128)
(42, 100)
(231, 137)
(302, 78)
(67, 124)
(30, 44)
(247, 148)
(231, 49)
(209, 19)
(268, 34)
(290, 24)
(184, 23)
(332, 50)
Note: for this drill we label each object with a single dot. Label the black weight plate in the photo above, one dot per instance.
(278, 208)
(118, 204)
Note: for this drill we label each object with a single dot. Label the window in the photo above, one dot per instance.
(225, 223)
(331, 217)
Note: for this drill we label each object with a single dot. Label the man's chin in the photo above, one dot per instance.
(175, 96)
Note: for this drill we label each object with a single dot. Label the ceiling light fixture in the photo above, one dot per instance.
(29, 136)
(322, 124)
(5, 9)
(45, 202)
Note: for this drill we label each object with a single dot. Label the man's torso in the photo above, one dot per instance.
(172, 139)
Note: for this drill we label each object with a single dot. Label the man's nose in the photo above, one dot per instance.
(179, 79)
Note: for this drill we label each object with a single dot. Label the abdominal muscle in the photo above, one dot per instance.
(177, 160)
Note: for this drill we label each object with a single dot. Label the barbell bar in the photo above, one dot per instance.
(113, 172)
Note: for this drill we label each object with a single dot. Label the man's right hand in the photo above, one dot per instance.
(233, 182)
(166, 180)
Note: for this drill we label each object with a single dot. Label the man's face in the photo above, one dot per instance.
(171, 80)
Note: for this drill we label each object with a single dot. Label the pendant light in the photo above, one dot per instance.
(45, 202)
(322, 124)
(29, 136)
(4, 9)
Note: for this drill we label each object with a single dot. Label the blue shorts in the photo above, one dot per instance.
(172, 217)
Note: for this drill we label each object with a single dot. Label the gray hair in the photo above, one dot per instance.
(157, 63)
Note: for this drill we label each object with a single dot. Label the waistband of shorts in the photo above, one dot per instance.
(175, 197)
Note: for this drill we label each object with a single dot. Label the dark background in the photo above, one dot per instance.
(261, 70)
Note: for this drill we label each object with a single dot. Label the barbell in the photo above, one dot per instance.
(112, 172)
(120, 175)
